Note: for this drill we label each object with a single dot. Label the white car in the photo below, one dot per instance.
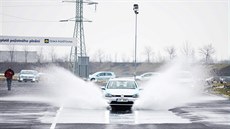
(146, 76)
(121, 92)
(28, 75)
(102, 76)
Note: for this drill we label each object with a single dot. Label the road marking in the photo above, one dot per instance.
(56, 118)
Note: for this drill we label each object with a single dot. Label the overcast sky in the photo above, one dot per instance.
(161, 23)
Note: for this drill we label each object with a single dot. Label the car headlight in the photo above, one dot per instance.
(108, 95)
(135, 95)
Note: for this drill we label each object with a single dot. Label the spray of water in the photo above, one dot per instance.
(65, 89)
(179, 83)
(61, 88)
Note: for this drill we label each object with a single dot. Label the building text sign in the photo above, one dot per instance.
(39, 41)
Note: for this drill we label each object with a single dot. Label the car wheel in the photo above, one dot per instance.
(138, 79)
(92, 79)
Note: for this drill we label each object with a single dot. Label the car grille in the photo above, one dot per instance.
(114, 102)
(124, 96)
(27, 77)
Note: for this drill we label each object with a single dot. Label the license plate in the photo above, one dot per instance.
(122, 100)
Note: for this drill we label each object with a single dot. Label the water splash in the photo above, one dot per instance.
(61, 88)
(180, 82)
(67, 90)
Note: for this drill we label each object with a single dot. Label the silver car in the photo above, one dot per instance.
(102, 76)
(147, 76)
(121, 92)
(28, 75)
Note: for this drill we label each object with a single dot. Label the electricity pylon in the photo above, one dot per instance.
(79, 50)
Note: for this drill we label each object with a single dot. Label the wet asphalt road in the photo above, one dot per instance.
(30, 114)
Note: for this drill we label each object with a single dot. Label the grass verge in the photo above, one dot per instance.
(223, 89)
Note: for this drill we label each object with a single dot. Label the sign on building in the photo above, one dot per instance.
(37, 41)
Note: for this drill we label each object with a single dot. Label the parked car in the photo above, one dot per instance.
(146, 76)
(213, 79)
(225, 79)
(121, 92)
(102, 76)
(28, 75)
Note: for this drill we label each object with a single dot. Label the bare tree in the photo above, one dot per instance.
(160, 58)
(148, 52)
(108, 58)
(207, 51)
(26, 52)
(100, 55)
(52, 54)
(124, 58)
(171, 51)
(11, 51)
(115, 57)
(40, 54)
(187, 49)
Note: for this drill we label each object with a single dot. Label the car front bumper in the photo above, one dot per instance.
(27, 79)
(120, 101)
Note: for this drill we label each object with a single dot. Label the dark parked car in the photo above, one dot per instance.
(225, 79)
(214, 79)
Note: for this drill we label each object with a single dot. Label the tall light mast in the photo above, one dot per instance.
(136, 11)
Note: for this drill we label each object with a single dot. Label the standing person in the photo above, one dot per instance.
(9, 73)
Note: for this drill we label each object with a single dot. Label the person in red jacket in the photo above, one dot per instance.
(9, 73)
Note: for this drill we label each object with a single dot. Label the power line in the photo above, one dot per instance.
(30, 5)
(167, 1)
(29, 1)
(26, 19)
(33, 4)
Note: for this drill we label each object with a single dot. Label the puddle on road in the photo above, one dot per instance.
(68, 115)
(156, 117)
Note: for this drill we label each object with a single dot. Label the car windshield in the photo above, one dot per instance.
(121, 85)
(149, 74)
(28, 72)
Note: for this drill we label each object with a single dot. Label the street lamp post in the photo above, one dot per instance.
(135, 9)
